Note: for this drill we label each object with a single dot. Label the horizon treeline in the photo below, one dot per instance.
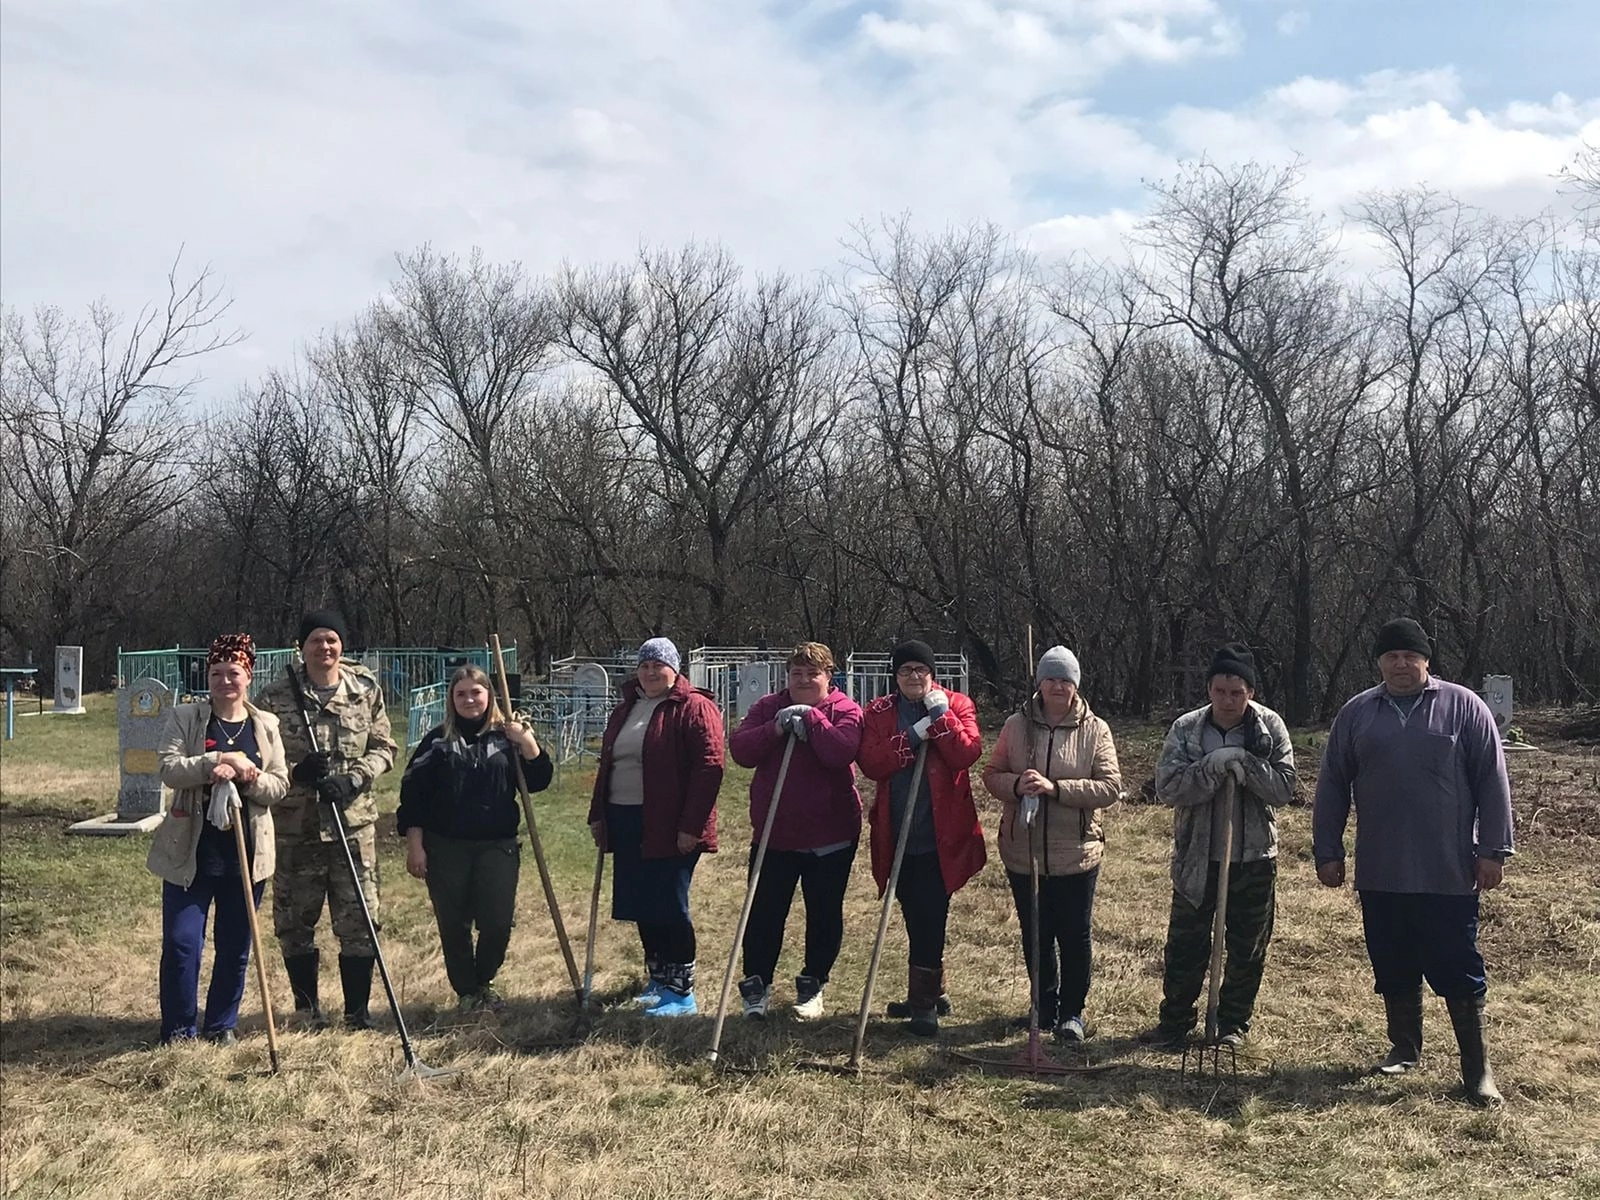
(1263, 426)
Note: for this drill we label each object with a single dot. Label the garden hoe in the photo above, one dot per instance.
(1206, 1057)
(750, 897)
(579, 988)
(415, 1068)
(236, 813)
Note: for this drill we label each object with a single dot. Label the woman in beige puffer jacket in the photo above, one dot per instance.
(1053, 769)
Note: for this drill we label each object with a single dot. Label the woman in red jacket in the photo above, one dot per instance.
(815, 831)
(945, 846)
(655, 809)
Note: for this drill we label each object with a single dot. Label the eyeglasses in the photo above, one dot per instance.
(913, 673)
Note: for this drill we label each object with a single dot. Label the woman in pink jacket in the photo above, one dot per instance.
(815, 832)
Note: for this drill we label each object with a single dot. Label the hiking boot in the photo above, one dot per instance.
(1163, 1038)
(1404, 1013)
(1466, 1016)
(1234, 1039)
(355, 976)
(900, 1010)
(469, 1004)
(1071, 1030)
(756, 996)
(677, 992)
(1049, 1010)
(491, 999)
(808, 997)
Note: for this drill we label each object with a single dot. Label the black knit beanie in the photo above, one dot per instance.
(1402, 633)
(322, 618)
(911, 652)
(1234, 659)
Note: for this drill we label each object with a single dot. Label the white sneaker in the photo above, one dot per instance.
(808, 998)
(756, 996)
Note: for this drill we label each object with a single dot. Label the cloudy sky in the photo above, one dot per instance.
(297, 146)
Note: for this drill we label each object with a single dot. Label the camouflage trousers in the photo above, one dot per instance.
(1251, 906)
(313, 871)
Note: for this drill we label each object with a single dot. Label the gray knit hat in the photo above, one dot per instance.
(1058, 663)
(661, 650)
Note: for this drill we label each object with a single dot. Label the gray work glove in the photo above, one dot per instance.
(792, 719)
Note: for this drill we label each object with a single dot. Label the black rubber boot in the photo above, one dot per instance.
(303, 970)
(1466, 1015)
(355, 974)
(924, 986)
(1404, 1010)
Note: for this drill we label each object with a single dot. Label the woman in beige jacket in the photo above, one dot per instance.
(222, 739)
(1053, 769)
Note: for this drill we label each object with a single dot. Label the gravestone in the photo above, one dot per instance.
(142, 708)
(69, 679)
(755, 681)
(1497, 694)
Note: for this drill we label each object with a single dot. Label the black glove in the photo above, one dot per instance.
(336, 789)
(311, 768)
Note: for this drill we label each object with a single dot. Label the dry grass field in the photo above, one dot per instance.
(91, 1108)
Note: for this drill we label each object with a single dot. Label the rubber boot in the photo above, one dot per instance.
(924, 986)
(355, 974)
(1404, 1010)
(1466, 1015)
(303, 969)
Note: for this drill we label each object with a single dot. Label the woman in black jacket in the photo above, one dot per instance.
(459, 813)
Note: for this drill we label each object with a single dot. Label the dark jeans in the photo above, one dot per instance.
(183, 941)
(1066, 912)
(1251, 907)
(473, 883)
(665, 942)
(822, 879)
(1417, 936)
(925, 907)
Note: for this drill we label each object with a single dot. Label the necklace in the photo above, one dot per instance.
(223, 727)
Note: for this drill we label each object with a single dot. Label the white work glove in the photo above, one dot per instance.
(1029, 807)
(937, 702)
(224, 799)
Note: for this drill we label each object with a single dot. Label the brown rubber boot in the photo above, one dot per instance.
(924, 986)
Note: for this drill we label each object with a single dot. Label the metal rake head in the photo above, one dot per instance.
(1213, 1058)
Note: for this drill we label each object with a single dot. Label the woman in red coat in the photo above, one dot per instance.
(945, 844)
(655, 810)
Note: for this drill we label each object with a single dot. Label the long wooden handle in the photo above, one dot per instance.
(1219, 921)
(245, 873)
(750, 895)
(594, 926)
(533, 828)
(888, 902)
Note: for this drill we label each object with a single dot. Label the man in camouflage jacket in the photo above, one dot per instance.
(1232, 735)
(353, 747)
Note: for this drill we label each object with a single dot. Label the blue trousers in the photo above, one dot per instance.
(183, 940)
(1412, 936)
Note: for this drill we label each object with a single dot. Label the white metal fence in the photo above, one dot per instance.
(868, 676)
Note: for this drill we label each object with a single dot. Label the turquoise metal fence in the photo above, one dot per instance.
(400, 669)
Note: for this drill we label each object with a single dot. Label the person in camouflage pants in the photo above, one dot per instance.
(353, 747)
(1232, 735)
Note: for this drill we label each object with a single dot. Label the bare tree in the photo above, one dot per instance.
(94, 410)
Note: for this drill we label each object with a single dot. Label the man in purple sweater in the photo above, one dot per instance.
(1421, 760)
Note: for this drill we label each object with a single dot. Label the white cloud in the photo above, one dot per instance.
(297, 148)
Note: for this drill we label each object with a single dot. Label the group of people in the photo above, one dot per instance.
(1418, 758)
